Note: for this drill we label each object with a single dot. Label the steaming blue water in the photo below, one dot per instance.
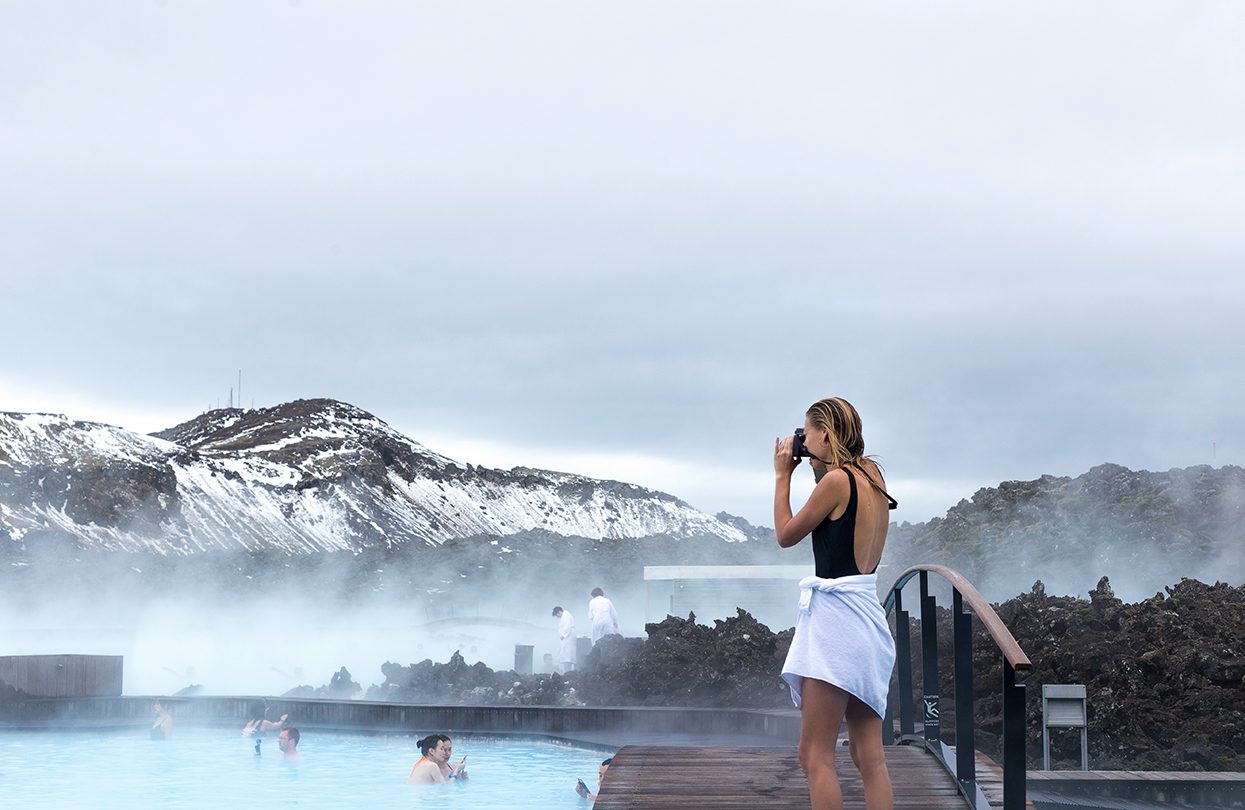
(214, 768)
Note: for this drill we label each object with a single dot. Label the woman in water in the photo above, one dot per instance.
(257, 720)
(162, 729)
(434, 768)
(840, 660)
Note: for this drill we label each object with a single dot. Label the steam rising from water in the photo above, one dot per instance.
(256, 626)
(266, 643)
(1144, 530)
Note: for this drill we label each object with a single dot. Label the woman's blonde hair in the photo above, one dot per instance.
(840, 420)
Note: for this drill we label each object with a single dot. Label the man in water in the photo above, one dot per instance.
(566, 639)
(582, 789)
(287, 741)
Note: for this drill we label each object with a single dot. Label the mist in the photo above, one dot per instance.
(266, 623)
(1143, 530)
(268, 628)
(263, 645)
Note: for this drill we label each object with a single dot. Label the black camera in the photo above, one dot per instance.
(798, 450)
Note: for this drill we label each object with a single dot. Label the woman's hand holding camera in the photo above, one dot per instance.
(784, 456)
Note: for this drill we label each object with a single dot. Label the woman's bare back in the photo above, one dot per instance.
(872, 515)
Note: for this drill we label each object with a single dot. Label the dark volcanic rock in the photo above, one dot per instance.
(1136, 526)
(456, 682)
(118, 495)
(681, 663)
(340, 687)
(1164, 677)
(95, 485)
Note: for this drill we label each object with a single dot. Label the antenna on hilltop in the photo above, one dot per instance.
(239, 388)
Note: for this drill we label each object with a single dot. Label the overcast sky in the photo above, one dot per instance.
(636, 240)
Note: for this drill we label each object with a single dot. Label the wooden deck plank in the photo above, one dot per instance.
(651, 777)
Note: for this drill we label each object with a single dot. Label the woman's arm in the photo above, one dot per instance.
(784, 463)
(831, 490)
(268, 725)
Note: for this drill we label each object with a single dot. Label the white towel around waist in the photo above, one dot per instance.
(841, 637)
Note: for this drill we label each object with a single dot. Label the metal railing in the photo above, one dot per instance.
(961, 763)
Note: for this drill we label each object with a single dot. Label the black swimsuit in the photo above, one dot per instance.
(834, 541)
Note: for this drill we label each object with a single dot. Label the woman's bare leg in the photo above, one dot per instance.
(821, 714)
(864, 732)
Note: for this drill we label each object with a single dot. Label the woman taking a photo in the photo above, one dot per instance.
(841, 657)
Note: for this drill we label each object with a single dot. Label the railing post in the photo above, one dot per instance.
(965, 743)
(903, 652)
(1013, 740)
(967, 602)
(929, 673)
(888, 721)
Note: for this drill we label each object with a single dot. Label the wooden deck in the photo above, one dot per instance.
(1140, 788)
(649, 777)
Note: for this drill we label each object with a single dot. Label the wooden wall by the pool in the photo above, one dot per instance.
(62, 676)
(397, 717)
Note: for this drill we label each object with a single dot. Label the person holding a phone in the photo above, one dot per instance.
(434, 768)
(582, 789)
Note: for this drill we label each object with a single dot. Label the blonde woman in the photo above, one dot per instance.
(841, 657)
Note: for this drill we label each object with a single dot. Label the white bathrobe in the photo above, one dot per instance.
(841, 637)
(603, 617)
(566, 638)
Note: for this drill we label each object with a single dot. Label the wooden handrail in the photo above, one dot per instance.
(977, 603)
(966, 602)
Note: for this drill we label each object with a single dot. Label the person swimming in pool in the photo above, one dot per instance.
(162, 729)
(434, 768)
(287, 741)
(258, 722)
(582, 789)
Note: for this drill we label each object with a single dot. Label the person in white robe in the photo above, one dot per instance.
(602, 615)
(566, 639)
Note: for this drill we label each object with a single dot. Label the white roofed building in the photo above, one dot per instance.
(768, 592)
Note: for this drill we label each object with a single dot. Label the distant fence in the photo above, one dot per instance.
(364, 715)
(62, 676)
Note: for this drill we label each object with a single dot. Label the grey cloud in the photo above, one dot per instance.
(1009, 234)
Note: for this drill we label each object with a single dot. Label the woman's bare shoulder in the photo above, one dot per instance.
(837, 477)
(872, 470)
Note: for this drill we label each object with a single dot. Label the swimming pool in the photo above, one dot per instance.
(214, 768)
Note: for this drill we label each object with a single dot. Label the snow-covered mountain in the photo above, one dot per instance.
(310, 475)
